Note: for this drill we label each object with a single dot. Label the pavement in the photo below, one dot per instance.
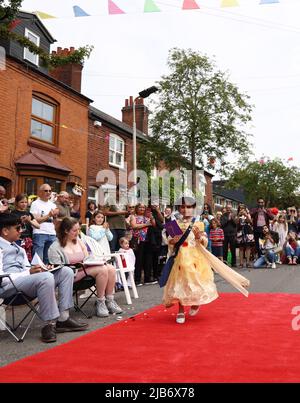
(284, 279)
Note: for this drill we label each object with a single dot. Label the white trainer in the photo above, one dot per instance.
(180, 318)
(194, 311)
(112, 306)
(101, 309)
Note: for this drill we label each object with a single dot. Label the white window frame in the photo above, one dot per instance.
(114, 163)
(93, 199)
(27, 53)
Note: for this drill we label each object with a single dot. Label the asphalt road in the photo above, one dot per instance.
(284, 279)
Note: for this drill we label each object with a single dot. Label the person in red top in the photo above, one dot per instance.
(216, 235)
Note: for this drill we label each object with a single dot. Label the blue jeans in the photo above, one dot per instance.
(268, 257)
(41, 244)
(290, 252)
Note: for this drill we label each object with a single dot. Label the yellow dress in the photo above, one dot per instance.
(191, 281)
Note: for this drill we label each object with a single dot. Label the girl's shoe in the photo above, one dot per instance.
(180, 318)
(294, 260)
(194, 310)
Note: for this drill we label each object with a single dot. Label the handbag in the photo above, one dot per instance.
(166, 270)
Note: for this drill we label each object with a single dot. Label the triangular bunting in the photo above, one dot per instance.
(190, 5)
(150, 7)
(268, 1)
(44, 16)
(113, 8)
(229, 3)
(79, 12)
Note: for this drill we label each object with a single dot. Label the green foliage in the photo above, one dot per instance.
(275, 182)
(199, 112)
(9, 13)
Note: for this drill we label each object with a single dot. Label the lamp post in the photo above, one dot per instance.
(143, 94)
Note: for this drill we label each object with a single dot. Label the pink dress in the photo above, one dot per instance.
(78, 258)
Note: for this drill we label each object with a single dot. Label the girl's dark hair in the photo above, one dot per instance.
(62, 231)
(93, 219)
(213, 220)
(209, 208)
(20, 197)
(90, 203)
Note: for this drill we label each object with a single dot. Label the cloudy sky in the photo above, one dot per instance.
(259, 46)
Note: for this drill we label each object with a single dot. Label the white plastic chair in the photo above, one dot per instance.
(121, 268)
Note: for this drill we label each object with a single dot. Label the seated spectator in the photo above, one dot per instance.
(292, 248)
(216, 235)
(37, 283)
(28, 223)
(68, 249)
(267, 244)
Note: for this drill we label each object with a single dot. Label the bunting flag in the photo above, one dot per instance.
(150, 7)
(229, 3)
(190, 5)
(79, 12)
(268, 1)
(113, 8)
(44, 16)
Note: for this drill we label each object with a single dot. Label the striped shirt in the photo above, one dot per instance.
(216, 236)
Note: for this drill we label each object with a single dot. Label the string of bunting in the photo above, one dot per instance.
(151, 6)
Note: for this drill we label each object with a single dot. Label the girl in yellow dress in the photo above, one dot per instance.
(191, 280)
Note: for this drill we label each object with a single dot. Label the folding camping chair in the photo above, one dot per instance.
(17, 299)
(86, 283)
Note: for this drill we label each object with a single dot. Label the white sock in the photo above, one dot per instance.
(64, 316)
(101, 299)
(109, 297)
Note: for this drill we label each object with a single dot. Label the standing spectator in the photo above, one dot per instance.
(260, 217)
(45, 212)
(140, 224)
(281, 227)
(99, 230)
(3, 204)
(206, 216)
(154, 238)
(91, 208)
(62, 203)
(28, 223)
(292, 219)
(244, 235)
(218, 217)
(116, 213)
(228, 224)
(216, 235)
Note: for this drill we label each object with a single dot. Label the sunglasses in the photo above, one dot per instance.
(47, 191)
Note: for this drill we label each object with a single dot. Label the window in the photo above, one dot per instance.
(116, 151)
(43, 116)
(30, 186)
(92, 194)
(54, 184)
(33, 58)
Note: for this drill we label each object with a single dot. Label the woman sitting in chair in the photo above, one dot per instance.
(69, 249)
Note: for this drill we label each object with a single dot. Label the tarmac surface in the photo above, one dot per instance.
(284, 279)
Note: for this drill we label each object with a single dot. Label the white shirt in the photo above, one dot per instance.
(40, 208)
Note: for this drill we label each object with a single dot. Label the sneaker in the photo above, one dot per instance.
(139, 284)
(150, 282)
(70, 325)
(48, 334)
(113, 307)
(273, 265)
(180, 318)
(101, 309)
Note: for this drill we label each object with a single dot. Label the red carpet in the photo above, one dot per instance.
(233, 339)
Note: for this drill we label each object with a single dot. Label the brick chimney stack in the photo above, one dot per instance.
(69, 74)
(141, 114)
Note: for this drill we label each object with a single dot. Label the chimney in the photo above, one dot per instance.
(141, 114)
(69, 74)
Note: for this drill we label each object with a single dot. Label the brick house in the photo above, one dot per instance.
(44, 117)
(111, 146)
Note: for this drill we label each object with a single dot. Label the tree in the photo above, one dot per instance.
(275, 182)
(199, 114)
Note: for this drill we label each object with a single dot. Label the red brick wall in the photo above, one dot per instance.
(16, 87)
(98, 151)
